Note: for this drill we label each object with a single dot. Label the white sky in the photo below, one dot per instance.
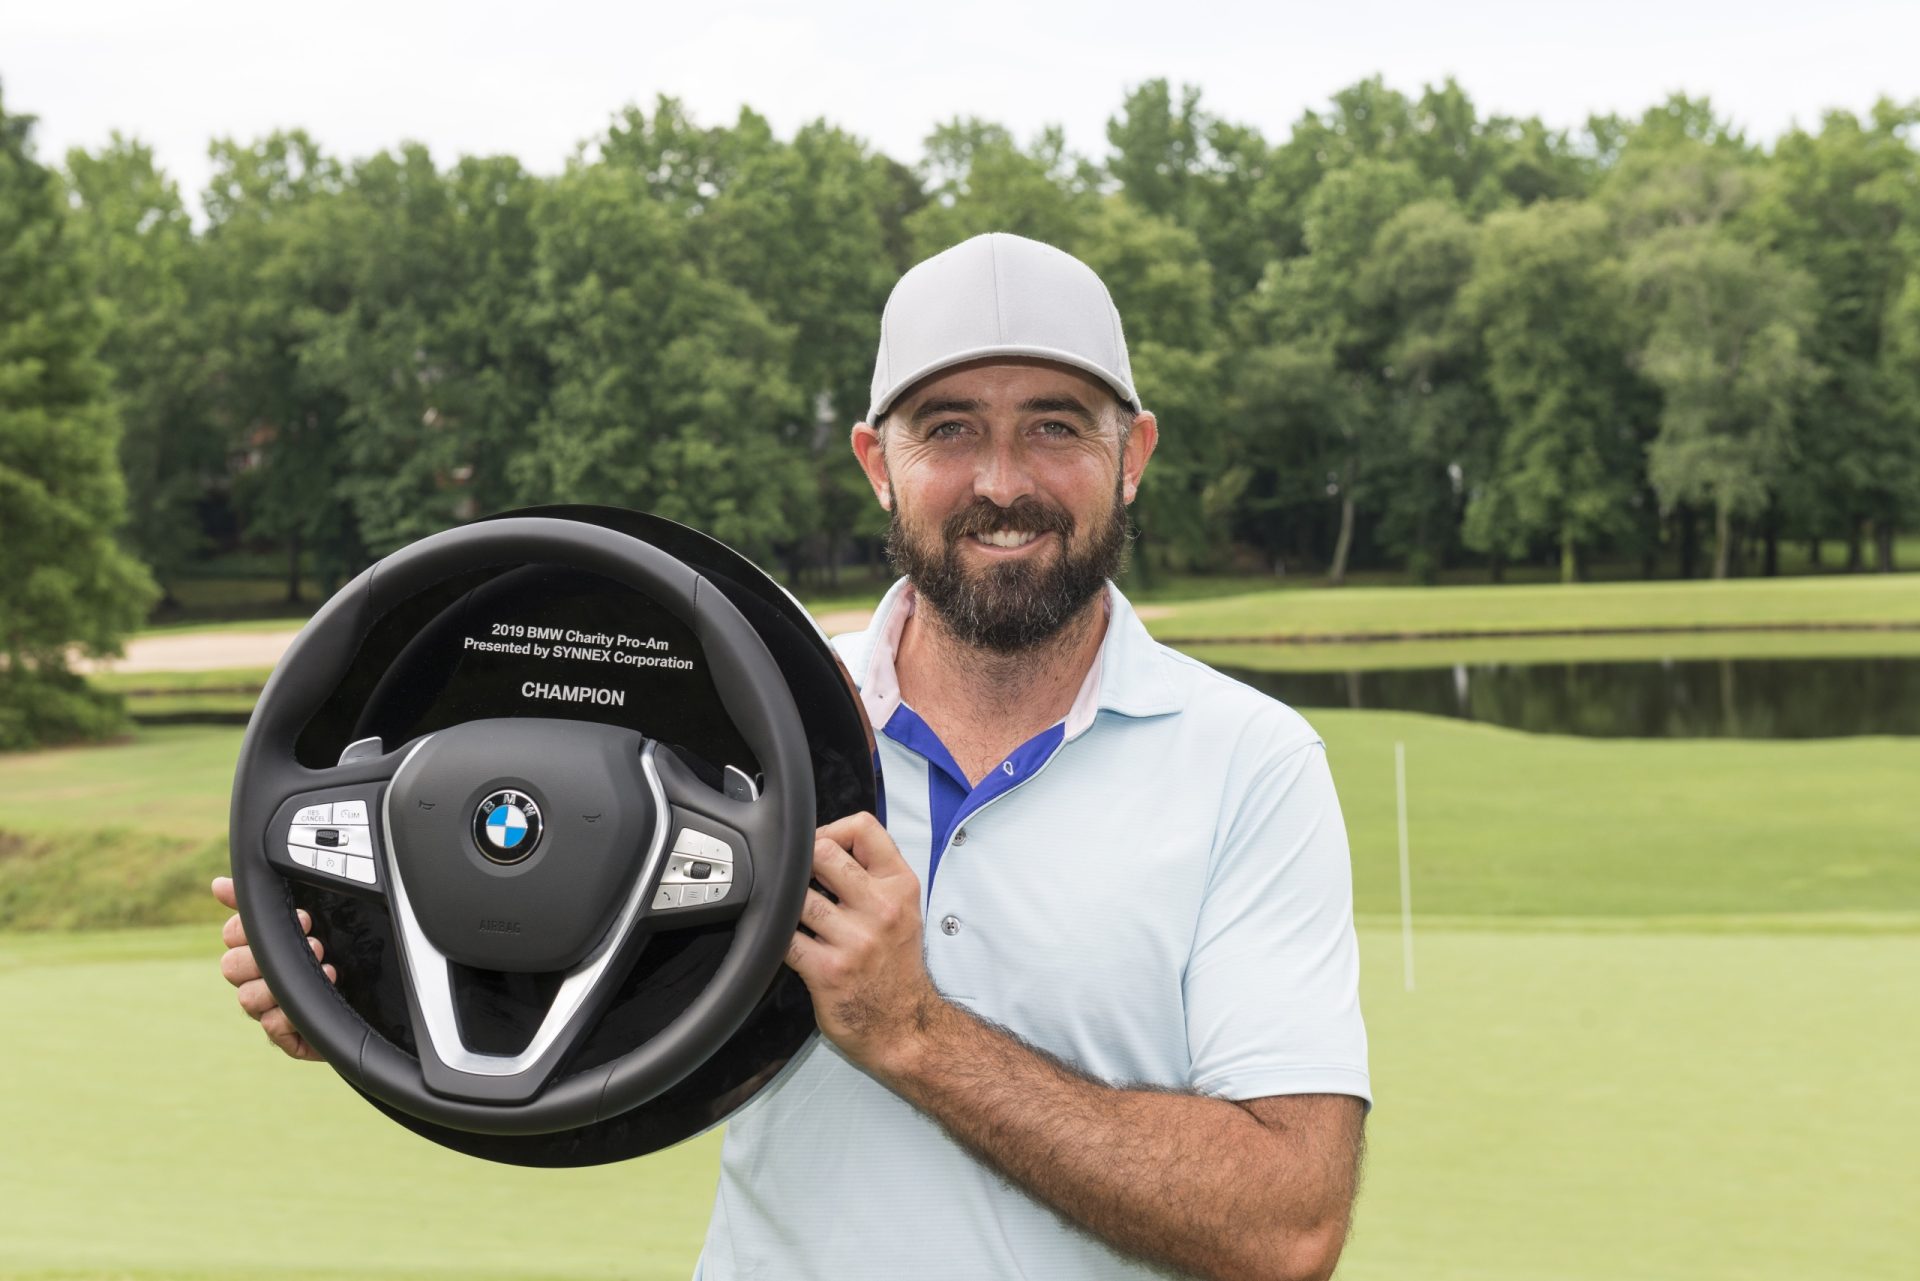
(533, 79)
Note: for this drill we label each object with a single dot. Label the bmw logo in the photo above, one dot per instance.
(507, 826)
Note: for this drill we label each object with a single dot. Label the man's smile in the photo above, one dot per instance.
(1002, 542)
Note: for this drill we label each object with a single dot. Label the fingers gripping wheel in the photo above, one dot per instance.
(545, 851)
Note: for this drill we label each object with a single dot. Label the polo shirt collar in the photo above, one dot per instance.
(1128, 675)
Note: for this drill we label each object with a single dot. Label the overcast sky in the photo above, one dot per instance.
(533, 79)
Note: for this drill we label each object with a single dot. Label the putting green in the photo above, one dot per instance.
(1552, 1104)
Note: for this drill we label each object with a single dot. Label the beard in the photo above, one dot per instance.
(1009, 607)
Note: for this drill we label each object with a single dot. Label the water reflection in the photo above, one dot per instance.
(1721, 698)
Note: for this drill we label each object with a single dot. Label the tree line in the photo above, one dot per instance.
(1406, 335)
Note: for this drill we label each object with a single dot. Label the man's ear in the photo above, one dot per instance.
(1133, 459)
(871, 450)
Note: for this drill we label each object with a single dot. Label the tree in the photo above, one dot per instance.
(804, 232)
(1838, 210)
(1441, 426)
(979, 180)
(1548, 298)
(429, 353)
(132, 231)
(670, 387)
(1160, 150)
(61, 496)
(272, 271)
(1161, 283)
(1728, 326)
(1335, 314)
(1680, 191)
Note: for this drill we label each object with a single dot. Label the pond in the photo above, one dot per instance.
(1690, 698)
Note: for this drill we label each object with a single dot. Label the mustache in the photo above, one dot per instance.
(1025, 516)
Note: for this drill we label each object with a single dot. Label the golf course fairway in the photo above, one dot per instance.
(1662, 1026)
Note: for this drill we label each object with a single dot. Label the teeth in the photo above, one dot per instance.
(1008, 538)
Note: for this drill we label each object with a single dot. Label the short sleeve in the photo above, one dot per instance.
(1273, 983)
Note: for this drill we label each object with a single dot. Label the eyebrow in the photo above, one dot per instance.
(1033, 405)
(934, 408)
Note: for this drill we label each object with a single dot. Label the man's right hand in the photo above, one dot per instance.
(240, 969)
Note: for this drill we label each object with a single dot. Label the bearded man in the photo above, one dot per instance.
(1129, 1042)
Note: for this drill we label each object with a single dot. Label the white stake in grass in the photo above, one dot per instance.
(1406, 870)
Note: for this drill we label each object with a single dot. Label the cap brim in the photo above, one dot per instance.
(903, 385)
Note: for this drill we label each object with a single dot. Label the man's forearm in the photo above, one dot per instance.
(1197, 1183)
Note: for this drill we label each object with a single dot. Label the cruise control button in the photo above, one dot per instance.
(331, 862)
(353, 840)
(348, 812)
(361, 870)
(328, 838)
(301, 855)
(701, 846)
(316, 814)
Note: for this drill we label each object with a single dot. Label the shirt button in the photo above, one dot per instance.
(949, 925)
(959, 838)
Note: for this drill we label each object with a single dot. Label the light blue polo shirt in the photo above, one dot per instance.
(1156, 889)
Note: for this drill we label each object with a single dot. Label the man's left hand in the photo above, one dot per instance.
(863, 962)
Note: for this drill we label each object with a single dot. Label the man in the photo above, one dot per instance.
(1130, 1045)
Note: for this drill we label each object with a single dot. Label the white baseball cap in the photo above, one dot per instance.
(998, 295)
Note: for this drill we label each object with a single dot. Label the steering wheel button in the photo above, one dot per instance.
(716, 892)
(701, 846)
(361, 870)
(317, 814)
(700, 871)
(667, 896)
(348, 812)
(301, 855)
(352, 840)
(331, 862)
(328, 838)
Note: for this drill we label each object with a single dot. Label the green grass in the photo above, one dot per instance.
(1664, 1027)
(236, 597)
(1379, 655)
(152, 1132)
(1581, 1106)
(1558, 1106)
(151, 683)
(275, 623)
(1850, 600)
(165, 779)
(1504, 825)
(1222, 608)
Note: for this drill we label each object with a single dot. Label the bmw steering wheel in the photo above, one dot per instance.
(525, 846)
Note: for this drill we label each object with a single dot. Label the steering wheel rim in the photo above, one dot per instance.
(777, 826)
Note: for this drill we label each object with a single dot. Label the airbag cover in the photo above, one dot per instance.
(540, 895)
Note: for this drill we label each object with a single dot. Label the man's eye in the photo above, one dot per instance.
(1054, 427)
(947, 430)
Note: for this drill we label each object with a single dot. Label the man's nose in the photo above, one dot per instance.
(1001, 474)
